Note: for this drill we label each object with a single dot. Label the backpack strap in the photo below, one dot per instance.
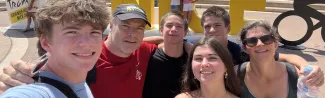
(293, 76)
(65, 89)
(241, 72)
(91, 76)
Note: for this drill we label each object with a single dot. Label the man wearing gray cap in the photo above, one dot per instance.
(121, 69)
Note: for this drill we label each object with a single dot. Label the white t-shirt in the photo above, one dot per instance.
(175, 2)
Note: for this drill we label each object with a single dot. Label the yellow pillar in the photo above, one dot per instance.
(148, 6)
(195, 24)
(236, 10)
(164, 7)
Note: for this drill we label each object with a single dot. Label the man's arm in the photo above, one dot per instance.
(298, 61)
(315, 78)
(154, 40)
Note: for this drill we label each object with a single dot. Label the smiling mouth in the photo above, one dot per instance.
(206, 72)
(84, 54)
(261, 51)
(129, 41)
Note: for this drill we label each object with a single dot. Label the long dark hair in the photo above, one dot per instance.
(232, 83)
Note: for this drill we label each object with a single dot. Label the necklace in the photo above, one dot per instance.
(201, 96)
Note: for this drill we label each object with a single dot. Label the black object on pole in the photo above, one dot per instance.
(306, 12)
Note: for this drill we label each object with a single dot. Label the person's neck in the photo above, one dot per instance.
(112, 48)
(173, 50)
(264, 69)
(225, 43)
(213, 90)
(73, 76)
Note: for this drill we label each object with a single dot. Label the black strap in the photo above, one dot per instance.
(65, 89)
(241, 71)
(91, 76)
(293, 76)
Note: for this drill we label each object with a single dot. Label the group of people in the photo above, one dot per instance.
(80, 64)
(185, 6)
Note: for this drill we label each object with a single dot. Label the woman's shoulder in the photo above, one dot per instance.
(192, 94)
(183, 95)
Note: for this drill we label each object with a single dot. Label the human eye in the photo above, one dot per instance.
(179, 26)
(169, 25)
(213, 58)
(198, 59)
(125, 27)
(71, 33)
(96, 33)
(207, 27)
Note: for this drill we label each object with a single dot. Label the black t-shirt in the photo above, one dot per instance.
(236, 53)
(163, 79)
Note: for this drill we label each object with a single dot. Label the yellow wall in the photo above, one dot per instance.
(236, 11)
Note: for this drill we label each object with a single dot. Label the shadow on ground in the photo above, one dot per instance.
(306, 54)
(18, 33)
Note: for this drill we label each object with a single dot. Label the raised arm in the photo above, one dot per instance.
(154, 40)
(315, 78)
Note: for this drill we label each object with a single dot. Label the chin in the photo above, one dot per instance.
(85, 67)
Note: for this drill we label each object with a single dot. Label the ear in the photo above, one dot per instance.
(45, 43)
(161, 30)
(185, 32)
(228, 28)
(110, 25)
(276, 44)
(243, 48)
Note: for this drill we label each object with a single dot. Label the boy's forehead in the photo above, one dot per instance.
(213, 20)
(77, 24)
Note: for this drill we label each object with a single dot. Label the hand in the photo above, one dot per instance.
(15, 74)
(315, 77)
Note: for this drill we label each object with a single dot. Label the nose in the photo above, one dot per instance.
(131, 32)
(259, 43)
(85, 41)
(212, 29)
(205, 62)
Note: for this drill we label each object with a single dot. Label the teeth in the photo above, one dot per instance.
(261, 50)
(206, 72)
(84, 54)
(130, 41)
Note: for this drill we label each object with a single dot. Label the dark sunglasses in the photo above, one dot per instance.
(252, 42)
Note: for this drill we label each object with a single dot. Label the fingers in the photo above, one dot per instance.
(8, 81)
(4, 87)
(316, 77)
(22, 67)
(17, 75)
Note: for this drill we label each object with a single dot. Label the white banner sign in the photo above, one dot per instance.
(17, 14)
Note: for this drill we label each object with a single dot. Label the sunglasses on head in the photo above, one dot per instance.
(252, 42)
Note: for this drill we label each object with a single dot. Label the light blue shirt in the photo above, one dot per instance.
(42, 90)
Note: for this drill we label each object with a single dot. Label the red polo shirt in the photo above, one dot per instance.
(118, 77)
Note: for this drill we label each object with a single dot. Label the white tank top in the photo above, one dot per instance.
(175, 2)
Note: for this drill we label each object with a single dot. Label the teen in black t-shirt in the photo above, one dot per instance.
(164, 74)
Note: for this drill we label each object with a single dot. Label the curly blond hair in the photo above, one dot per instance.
(80, 12)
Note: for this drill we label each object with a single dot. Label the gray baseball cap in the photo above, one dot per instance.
(129, 11)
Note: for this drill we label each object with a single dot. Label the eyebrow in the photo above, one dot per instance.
(208, 54)
(126, 22)
(71, 27)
